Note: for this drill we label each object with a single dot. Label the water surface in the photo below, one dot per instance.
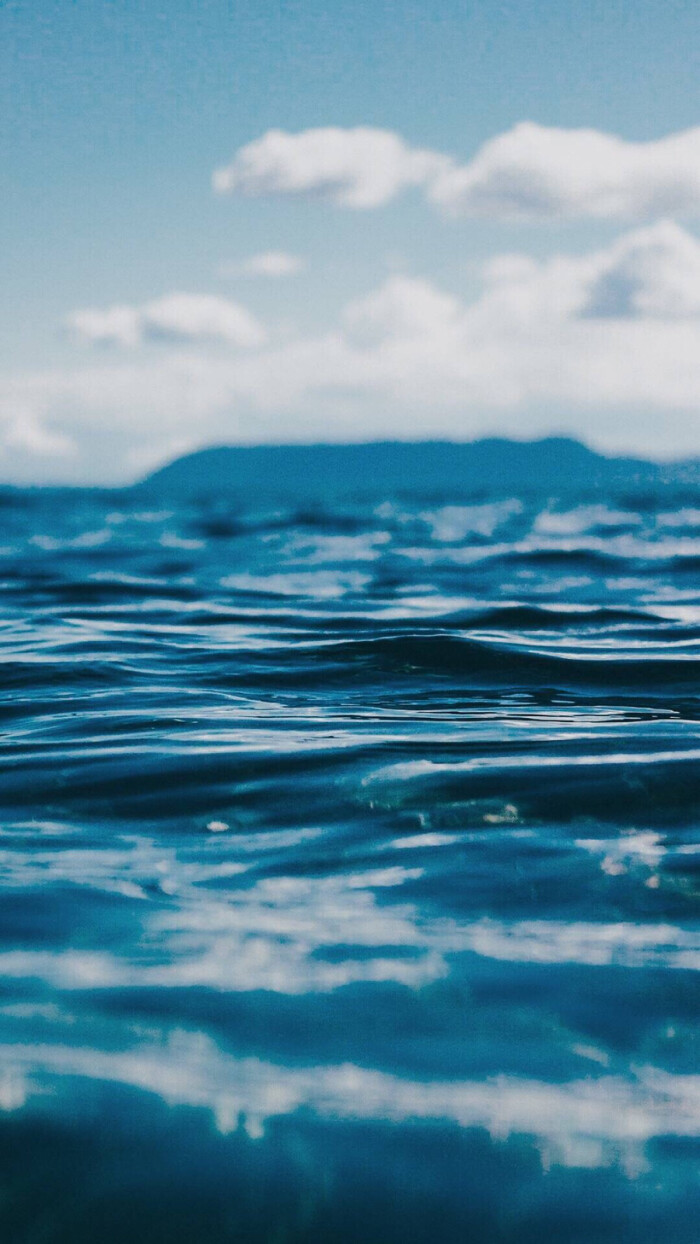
(349, 865)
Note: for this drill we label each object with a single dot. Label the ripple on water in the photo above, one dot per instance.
(349, 858)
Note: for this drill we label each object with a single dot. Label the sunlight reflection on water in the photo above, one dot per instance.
(368, 835)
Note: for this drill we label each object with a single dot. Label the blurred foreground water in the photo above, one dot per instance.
(349, 863)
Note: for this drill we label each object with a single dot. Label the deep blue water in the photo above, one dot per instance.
(349, 862)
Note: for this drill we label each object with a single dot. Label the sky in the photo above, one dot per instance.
(249, 222)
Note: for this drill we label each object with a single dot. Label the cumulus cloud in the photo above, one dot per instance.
(654, 272)
(531, 170)
(402, 307)
(536, 170)
(358, 168)
(608, 340)
(650, 273)
(172, 318)
(271, 264)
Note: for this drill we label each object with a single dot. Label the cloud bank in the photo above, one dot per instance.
(531, 170)
(608, 341)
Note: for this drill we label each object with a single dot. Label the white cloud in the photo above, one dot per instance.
(607, 341)
(359, 168)
(535, 170)
(271, 264)
(174, 318)
(650, 273)
(654, 272)
(402, 307)
(114, 325)
(26, 432)
(528, 171)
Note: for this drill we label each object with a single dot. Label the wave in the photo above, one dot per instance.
(384, 814)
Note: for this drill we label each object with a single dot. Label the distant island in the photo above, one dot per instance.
(420, 467)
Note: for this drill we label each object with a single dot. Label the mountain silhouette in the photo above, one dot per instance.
(423, 467)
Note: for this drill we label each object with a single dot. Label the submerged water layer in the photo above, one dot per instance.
(349, 870)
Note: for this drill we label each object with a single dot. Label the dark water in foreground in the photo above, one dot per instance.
(350, 871)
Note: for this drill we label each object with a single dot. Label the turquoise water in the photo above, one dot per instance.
(349, 864)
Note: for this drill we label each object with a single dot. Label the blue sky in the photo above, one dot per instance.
(404, 317)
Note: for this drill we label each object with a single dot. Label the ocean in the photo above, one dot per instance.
(349, 869)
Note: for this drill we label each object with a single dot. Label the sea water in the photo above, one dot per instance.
(349, 869)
